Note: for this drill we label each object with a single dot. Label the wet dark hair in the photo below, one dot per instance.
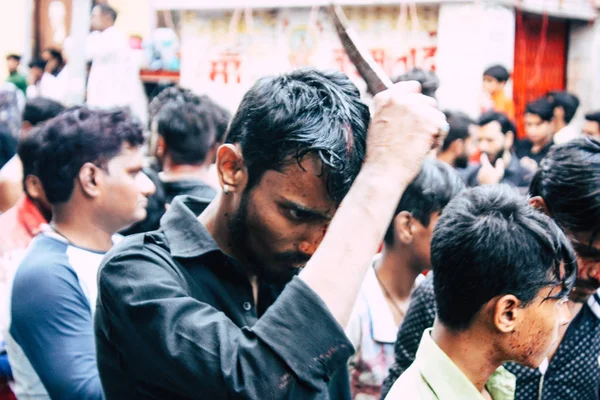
(15, 57)
(80, 135)
(490, 242)
(428, 80)
(568, 101)
(189, 131)
(459, 127)
(498, 72)
(569, 182)
(282, 119)
(542, 108)
(108, 10)
(435, 185)
(41, 109)
(506, 124)
(593, 116)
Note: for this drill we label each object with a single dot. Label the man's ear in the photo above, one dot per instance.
(231, 168)
(507, 313)
(539, 203)
(404, 227)
(161, 147)
(88, 179)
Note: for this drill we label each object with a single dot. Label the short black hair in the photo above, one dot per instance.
(459, 127)
(222, 118)
(569, 182)
(435, 185)
(282, 119)
(506, 125)
(15, 57)
(498, 72)
(37, 63)
(542, 108)
(108, 10)
(41, 109)
(490, 242)
(428, 79)
(28, 151)
(189, 131)
(569, 102)
(80, 135)
(593, 116)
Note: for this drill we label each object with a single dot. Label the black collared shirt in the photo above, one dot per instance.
(176, 319)
(523, 149)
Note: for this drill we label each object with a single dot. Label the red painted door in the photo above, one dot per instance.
(540, 60)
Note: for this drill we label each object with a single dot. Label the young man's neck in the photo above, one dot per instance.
(396, 272)
(471, 351)
(80, 229)
(172, 172)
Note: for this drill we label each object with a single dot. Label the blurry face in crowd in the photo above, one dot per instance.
(99, 21)
(466, 148)
(125, 189)
(492, 142)
(422, 242)
(537, 130)
(491, 85)
(587, 249)
(12, 65)
(537, 331)
(279, 223)
(591, 128)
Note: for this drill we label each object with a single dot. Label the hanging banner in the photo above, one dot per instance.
(224, 53)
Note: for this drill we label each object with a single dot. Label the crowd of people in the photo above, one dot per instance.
(308, 246)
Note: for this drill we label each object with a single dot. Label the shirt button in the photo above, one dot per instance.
(247, 306)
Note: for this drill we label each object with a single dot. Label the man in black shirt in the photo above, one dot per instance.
(209, 306)
(186, 129)
(499, 164)
(539, 129)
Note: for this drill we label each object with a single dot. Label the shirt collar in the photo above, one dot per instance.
(384, 329)
(30, 216)
(187, 236)
(447, 381)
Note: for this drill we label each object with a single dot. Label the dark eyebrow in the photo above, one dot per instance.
(307, 210)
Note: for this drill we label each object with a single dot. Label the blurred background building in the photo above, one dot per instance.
(223, 46)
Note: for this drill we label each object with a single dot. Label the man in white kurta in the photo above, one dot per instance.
(114, 79)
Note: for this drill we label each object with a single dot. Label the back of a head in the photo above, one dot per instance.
(542, 108)
(506, 124)
(188, 130)
(41, 109)
(498, 72)
(490, 242)
(108, 11)
(459, 127)
(428, 80)
(37, 63)
(77, 136)
(281, 119)
(436, 184)
(569, 182)
(593, 116)
(568, 101)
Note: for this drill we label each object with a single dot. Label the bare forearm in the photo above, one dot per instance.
(337, 269)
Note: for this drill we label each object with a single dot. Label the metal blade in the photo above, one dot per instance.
(369, 70)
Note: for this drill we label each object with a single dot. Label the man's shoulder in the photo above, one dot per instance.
(43, 254)
(411, 385)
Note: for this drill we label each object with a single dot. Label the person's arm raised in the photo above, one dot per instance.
(402, 131)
